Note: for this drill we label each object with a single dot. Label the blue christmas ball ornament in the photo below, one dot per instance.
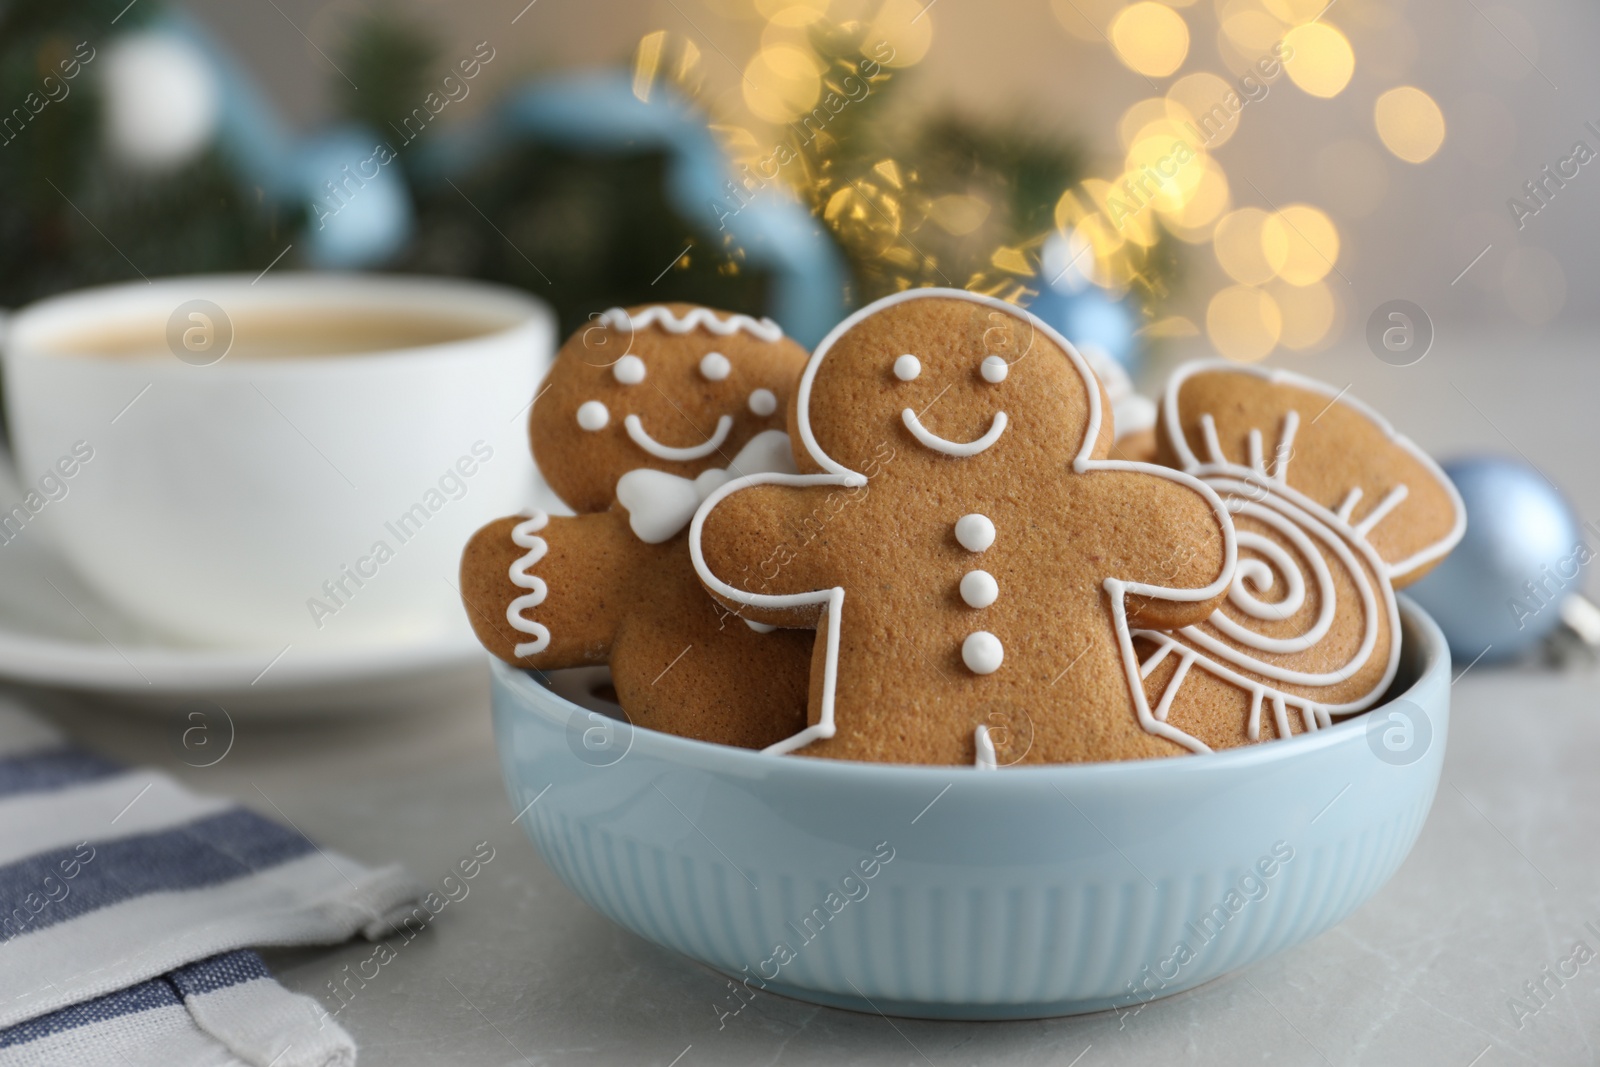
(1523, 553)
(1091, 317)
(358, 207)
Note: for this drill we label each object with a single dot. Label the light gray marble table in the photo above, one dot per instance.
(520, 971)
(1500, 885)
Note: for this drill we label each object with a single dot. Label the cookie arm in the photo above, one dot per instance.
(758, 544)
(566, 579)
(766, 532)
(1168, 538)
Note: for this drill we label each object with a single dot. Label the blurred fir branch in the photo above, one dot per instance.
(70, 214)
(1021, 172)
(937, 199)
(583, 232)
(943, 200)
(392, 57)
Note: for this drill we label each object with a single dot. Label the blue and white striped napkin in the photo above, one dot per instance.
(127, 905)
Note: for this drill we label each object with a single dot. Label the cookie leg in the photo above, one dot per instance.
(685, 665)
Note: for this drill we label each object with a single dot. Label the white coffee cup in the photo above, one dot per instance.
(291, 458)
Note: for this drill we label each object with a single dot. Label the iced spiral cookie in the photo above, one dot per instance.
(644, 413)
(1334, 510)
(971, 560)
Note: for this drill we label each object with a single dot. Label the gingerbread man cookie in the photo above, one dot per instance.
(643, 414)
(1332, 517)
(966, 552)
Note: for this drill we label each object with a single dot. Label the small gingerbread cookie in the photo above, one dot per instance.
(969, 556)
(1334, 510)
(643, 414)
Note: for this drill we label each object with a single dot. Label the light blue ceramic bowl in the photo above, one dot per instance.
(950, 892)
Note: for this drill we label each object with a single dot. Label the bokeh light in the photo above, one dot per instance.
(1301, 243)
(1321, 59)
(1409, 123)
(1238, 246)
(1193, 220)
(1243, 323)
(1164, 155)
(789, 26)
(1201, 97)
(1150, 38)
(1142, 114)
(1114, 230)
(1295, 12)
(1308, 314)
(905, 27)
(1127, 213)
(780, 10)
(781, 83)
(1250, 32)
(1081, 216)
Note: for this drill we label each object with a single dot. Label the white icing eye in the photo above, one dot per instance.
(715, 367)
(763, 402)
(592, 415)
(629, 370)
(994, 369)
(907, 367)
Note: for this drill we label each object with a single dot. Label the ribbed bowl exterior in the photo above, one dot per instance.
(949, 892)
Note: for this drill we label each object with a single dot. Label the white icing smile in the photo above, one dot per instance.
(636, 431)
(928, 439)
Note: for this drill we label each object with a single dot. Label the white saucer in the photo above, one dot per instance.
(55, 632)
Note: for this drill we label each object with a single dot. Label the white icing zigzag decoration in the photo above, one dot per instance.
(524, 535)
(763, 329)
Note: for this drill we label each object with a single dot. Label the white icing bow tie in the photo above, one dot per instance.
(661, 504)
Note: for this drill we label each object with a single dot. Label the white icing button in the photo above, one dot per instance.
(629, 370)
(981, 652)
(979, 589)
(763, 403)
(592, 415)
(715, 366)
(760, 627)
(994, 369)
(974, 532)
(907, 367)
